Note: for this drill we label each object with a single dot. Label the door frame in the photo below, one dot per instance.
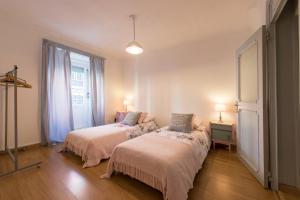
(272, 106)
(263, 103)
(298, 130)
(272, 17)
(273, 14)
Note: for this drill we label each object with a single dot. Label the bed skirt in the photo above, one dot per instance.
(138, 174)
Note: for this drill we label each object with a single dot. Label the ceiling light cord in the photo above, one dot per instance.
(134, 47)
(133, 22)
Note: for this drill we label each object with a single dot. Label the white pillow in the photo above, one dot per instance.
(196, 122)
(142, 117)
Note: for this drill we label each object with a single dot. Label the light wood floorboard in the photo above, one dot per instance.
(61, 177)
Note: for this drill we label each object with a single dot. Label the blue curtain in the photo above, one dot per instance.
(56, 103)
(97, 90)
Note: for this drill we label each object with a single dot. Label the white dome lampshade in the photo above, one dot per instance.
(220, 107)
(134, 47)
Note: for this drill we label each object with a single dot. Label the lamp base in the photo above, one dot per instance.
(220, 118)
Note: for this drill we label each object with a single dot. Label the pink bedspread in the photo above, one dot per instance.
(167, 161)
(96, 143)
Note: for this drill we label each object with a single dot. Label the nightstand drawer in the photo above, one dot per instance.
(221, 127)
(221, 135)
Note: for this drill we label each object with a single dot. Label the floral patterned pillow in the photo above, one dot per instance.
(142, 129)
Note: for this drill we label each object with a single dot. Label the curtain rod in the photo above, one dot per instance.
(72, 49)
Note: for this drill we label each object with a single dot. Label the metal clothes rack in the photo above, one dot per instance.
(10, 79)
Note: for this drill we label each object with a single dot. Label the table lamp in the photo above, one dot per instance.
(125, 103)
(220, 108)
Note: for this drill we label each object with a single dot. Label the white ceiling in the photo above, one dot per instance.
(160, 23)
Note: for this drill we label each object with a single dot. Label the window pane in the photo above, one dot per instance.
(73, 75)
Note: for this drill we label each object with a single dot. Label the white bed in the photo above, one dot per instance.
(97, 143)
(165, 160)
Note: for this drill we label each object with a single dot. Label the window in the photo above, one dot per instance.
(77, 99)
(77, 76)
(80, 86)
(73, 75)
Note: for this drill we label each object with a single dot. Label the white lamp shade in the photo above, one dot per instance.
(125, 102)
(220, 107)
(134, 48)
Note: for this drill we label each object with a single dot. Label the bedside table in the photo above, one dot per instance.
(222, 133)
(120, 115)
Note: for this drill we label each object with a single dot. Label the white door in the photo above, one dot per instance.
(252, 142)
(80, 84)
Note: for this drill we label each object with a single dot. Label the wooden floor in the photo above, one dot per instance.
(61, 177)
(288, 193)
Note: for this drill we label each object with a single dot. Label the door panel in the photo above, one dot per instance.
(252, 135)
(248, 74)
(248, 121)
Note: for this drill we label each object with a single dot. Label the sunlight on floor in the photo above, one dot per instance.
(76, 183)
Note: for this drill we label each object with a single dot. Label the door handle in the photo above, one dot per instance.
(236, 105)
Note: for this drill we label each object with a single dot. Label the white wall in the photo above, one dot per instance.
(192, 76)
(21, 44)
(188, 78)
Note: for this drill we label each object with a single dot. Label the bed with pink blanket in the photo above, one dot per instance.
(165, 160)
(97, 143)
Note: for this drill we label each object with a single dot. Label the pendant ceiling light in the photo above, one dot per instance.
(134, 47)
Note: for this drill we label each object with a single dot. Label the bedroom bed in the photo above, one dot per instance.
(166, 160)
(97, 143)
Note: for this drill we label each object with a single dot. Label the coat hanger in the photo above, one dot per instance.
(9, 79)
